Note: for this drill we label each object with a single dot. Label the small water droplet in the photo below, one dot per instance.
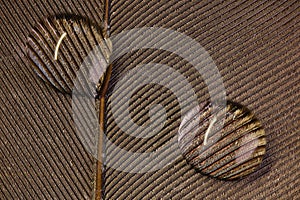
(230, 153)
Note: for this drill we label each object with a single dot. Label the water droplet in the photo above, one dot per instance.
(230, 153)
(56, 49)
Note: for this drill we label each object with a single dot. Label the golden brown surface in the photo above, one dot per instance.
(255, 45)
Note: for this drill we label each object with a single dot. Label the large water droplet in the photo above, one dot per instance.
(57, 47)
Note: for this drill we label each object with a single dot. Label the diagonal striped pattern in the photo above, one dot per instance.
(255, 45)
(41, 155)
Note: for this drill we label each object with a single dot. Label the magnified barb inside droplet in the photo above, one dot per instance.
(229, 152)
(56, 48)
